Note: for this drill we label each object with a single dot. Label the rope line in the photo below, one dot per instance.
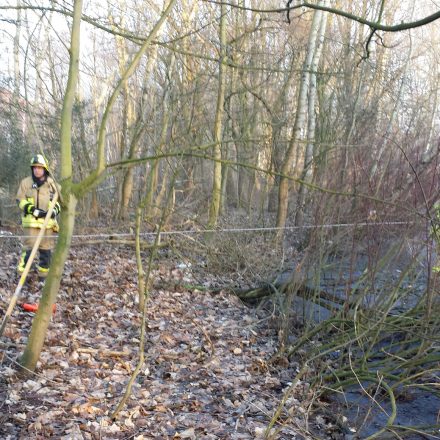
(231, 230)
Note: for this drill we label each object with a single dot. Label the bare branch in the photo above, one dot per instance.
(373, 24)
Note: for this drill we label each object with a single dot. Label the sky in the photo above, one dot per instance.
(37, 27)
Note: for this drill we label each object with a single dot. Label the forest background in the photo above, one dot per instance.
(293, 133)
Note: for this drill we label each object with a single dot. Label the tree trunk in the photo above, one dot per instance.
(276, 125)
(214, 208)
(17, 52)
(41, 322)
(165, 187)
(307, 173)
(152, 179)
(128, 120)
(300, 122)
(127, 182)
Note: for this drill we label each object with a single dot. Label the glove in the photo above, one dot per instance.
(38, 213)
(28, 208)
(56, 210)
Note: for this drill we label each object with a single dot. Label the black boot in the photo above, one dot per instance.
(43, 267)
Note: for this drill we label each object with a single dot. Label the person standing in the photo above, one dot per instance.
(34, 197)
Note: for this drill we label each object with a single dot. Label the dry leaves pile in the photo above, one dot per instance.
(205, 377)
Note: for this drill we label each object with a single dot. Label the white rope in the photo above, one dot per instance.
(231, 230)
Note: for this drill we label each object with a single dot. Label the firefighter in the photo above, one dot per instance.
(34, 197)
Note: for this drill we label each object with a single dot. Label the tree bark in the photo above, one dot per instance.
(17, 53)
(50, 291)
(151, 205)
(300, 122)
(41, 321)
(214, 208)
(307, 172)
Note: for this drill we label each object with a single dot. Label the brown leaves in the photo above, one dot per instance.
(205, 376)
(86, 409)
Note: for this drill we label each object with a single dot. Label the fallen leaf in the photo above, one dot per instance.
(188, 433)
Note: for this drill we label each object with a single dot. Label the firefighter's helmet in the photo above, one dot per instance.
(39, 161)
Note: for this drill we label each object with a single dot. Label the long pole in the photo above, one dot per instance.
(24, 275)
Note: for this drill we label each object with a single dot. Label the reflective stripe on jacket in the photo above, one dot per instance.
(40, 197)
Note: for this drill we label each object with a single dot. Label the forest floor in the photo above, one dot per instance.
(206, 374)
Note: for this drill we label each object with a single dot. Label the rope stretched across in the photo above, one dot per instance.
(229, 230)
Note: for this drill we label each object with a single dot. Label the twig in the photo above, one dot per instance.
(286, 395)
(102, 352)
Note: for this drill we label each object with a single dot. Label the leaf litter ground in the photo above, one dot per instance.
(206, 374)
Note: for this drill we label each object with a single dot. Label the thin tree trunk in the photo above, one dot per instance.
(17, 52)
(128, 119)
(41, 321)
(277, 123)
(307, 173)
(50, 291)
(159, 202)
(214, 208)
(127, 182)
(300, 122)
(152, 179)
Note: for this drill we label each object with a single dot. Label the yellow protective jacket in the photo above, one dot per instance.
(30, 194)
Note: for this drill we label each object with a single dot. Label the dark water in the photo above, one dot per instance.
(403, 277)
(415, 409)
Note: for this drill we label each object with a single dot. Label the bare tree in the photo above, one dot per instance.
(299, 127)
(307, 173)
(214, 208)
